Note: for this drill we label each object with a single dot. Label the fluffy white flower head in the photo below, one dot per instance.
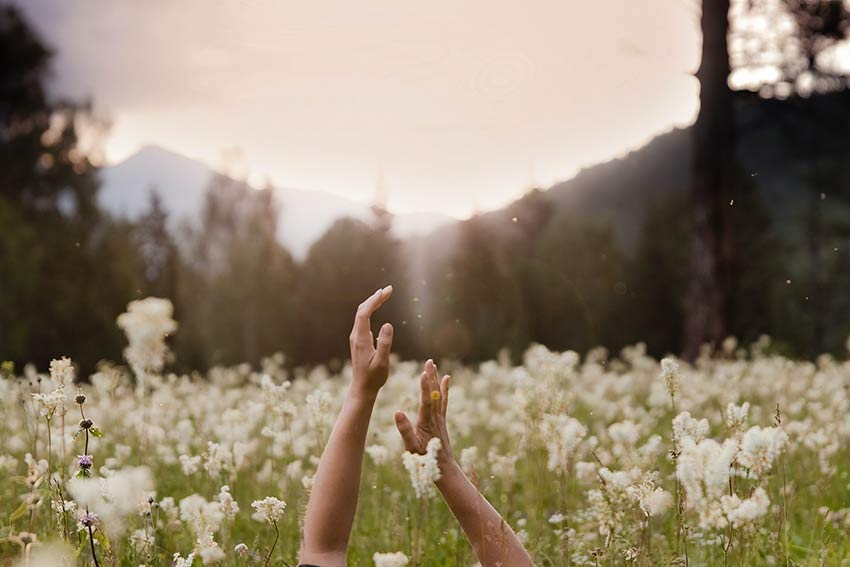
(423, 469)
(760, 447)
(269, 509)
(397, 559)
(147, 322)
(670, 375)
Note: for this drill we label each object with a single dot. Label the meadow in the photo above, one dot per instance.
(595, 459)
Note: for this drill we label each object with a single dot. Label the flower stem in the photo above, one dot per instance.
(274, 543)
(91, 543)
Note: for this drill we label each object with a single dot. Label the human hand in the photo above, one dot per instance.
(431, 421)
(370, 363)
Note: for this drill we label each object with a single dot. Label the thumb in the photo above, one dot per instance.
(406, 431)
(385, 344)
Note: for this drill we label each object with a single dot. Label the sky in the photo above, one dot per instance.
(455, 106)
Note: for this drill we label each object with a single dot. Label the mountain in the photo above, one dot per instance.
(182, 184)
(789, 150)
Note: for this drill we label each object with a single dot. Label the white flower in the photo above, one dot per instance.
(115, 497)
(656, 502)
(670, 375)
(562, 435)
(147, 322)
(241, 549)
(736, 416)
(50, 403)
(269, 509)
(228, 505)
(468, 456)
(557, 518)
(141, 541)
(178, 561)
(423, 469)
(190, 465)
(760, 447)
(686, 427)
(378, 453)
(205, 519)
(62, 371)
(397, 559)
(743, 512)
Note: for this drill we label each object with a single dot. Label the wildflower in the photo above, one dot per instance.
(736, 416)
(48, 404)
(269, 509)
(670, 374)
(397, 559)
(241, 549)
(228, 505)
(747, 511)
(89, 519)
(468, 455)
(423, 469)
(190, 465)
(142, 541)
(147, 322)
(562, 435)
(656, 502)
(760, 447)
(62, 371)
(378, 453)
(686, 427)
(178, 561)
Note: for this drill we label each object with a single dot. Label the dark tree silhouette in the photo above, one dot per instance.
(713, 167)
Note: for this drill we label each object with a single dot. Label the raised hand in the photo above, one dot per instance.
(333, 500)
(370, 363)
(494, 542)
(431, 421)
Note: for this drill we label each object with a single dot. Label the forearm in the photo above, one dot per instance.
(493, 540)
(333, 499)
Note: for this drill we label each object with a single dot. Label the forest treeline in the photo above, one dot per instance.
(602, 259)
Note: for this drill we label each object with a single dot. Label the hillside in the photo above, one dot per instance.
(182, 184)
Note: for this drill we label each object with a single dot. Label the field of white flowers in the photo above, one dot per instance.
(740, 459)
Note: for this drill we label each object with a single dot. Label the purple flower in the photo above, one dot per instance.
(89, 519)
(85, 461)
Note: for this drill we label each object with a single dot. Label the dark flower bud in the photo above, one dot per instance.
(80, 399)
(86, 424)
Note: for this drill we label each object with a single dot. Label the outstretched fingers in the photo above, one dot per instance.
(364, 313)
(444, 392)
(425, 403)
(405, 429)
(385, 345)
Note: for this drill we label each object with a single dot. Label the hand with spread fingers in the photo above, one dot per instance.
(370, 362)
(333, 500)
(494, 542)
(431, 421)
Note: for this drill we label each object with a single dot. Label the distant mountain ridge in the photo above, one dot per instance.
(182, 182)
(618, 192)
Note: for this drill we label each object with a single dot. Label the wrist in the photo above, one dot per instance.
(450, 472)
(362, 394)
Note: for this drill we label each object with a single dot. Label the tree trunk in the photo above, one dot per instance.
(707, 302)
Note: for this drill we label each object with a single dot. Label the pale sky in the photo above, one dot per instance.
(461, 105)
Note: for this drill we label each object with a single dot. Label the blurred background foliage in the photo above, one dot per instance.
(606, 258)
